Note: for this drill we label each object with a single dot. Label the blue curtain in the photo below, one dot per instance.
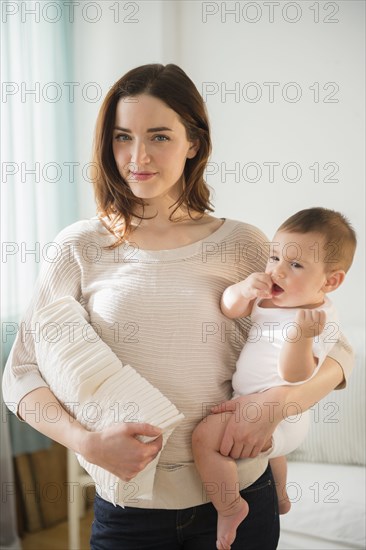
(38, 195)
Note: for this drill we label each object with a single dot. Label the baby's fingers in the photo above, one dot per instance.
(320, 320)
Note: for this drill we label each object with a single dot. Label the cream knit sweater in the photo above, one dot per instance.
(159, 311)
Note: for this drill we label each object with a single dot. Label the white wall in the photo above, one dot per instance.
(221, 52)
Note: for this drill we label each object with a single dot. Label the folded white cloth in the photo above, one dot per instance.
(96, 389)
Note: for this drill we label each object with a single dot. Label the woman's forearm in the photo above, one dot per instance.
(41, 410)
(329, 376)
(117, 448)
(270, 407)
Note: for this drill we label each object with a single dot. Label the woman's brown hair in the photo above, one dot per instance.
(115, 200)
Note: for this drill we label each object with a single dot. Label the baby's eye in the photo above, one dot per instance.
(274, 259)
(122, 137)
(296, 265)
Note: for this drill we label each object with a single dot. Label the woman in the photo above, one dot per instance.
(150, 270)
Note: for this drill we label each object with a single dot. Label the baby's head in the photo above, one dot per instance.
(310, 254)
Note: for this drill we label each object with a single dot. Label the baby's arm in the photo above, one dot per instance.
(297, 362)
(237, 300)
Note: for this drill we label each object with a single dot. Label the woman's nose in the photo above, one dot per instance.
(139, 153)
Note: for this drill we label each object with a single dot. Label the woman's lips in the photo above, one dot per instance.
(142, 176)
(276, 289)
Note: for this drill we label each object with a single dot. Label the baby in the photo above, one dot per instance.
(293, 324)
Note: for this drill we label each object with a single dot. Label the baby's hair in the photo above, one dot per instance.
(340, 237)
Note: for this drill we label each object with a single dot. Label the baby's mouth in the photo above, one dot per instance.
(276, 289)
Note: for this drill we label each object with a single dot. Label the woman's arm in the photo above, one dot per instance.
(115, 449)
(256, 416)
(27, 394)
(305, 395)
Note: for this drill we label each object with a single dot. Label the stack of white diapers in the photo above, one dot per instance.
(96, 389)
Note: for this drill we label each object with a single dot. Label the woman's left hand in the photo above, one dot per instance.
(252, 423)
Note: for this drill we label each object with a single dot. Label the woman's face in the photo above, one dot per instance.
(150, 147)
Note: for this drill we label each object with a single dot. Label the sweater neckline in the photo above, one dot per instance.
(185, 251)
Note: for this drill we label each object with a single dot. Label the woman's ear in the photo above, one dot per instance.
(193, 149)
(334, 280)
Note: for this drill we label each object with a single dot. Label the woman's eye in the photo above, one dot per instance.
(122, 137)
(161, 138)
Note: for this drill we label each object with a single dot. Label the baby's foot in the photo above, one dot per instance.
(228, 524)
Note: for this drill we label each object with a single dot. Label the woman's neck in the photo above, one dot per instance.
(161, 213)
(160, 233)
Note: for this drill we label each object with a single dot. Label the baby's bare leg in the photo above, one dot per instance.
(279, 470)
(220, 477)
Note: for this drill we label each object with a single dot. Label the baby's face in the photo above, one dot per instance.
(297, 268)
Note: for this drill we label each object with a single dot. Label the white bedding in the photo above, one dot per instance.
(328, 507)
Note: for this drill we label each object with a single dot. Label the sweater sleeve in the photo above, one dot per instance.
(61, 277)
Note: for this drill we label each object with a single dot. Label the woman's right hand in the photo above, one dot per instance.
(116, 449)
(119, 450)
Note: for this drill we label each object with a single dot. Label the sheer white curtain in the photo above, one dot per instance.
(38, 189)
(38, 198)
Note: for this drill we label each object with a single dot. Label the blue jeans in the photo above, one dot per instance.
(116, 528)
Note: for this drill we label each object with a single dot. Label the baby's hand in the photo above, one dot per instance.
(256, 285)
(311, 322)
